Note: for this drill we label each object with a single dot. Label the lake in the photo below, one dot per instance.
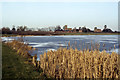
(45, 43)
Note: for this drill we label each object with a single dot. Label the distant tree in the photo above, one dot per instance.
(88, 30)
(13, 29)
(95, 28)
(6, 30)
(29, 29)
(32, 29)
(17, 28)
(13, 26)
(49, 29)
(38, 29)
(79, 28)
(25, 28)
(105, 27)
(84, 29)
(65, 27)
(74, 27)
(107, 30)
(21, 28)
(58, 27)
(52, 28)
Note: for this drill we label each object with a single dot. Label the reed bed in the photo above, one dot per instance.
(73, 63)
(20, 47)
(24, 50)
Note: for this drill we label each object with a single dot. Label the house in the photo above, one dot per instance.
(65, 27)
(80, 31)
(97, 30)
(70, 29)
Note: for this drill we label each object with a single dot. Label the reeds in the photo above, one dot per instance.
(24, 50)
(20, 47)
(70, 63)
(73, 63)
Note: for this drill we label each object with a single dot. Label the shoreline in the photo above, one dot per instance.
(64, 34)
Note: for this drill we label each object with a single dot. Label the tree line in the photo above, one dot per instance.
(24, 30)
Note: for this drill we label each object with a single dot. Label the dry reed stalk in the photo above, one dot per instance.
(20, 47)
(114, 46)
(79, 64)
(34, 61)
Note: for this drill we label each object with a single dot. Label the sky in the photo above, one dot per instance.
(59, 0)
(73, 14)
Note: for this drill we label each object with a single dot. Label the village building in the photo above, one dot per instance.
(65, 27)
(80, 31)
(97, 30)
(70, 29)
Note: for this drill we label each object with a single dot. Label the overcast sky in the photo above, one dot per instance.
(73, 14)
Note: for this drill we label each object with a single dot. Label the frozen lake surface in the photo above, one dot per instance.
(45, 43)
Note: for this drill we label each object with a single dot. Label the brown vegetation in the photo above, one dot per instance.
(24, 50)
(70, 63)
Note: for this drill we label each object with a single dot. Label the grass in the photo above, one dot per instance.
(15, 66)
